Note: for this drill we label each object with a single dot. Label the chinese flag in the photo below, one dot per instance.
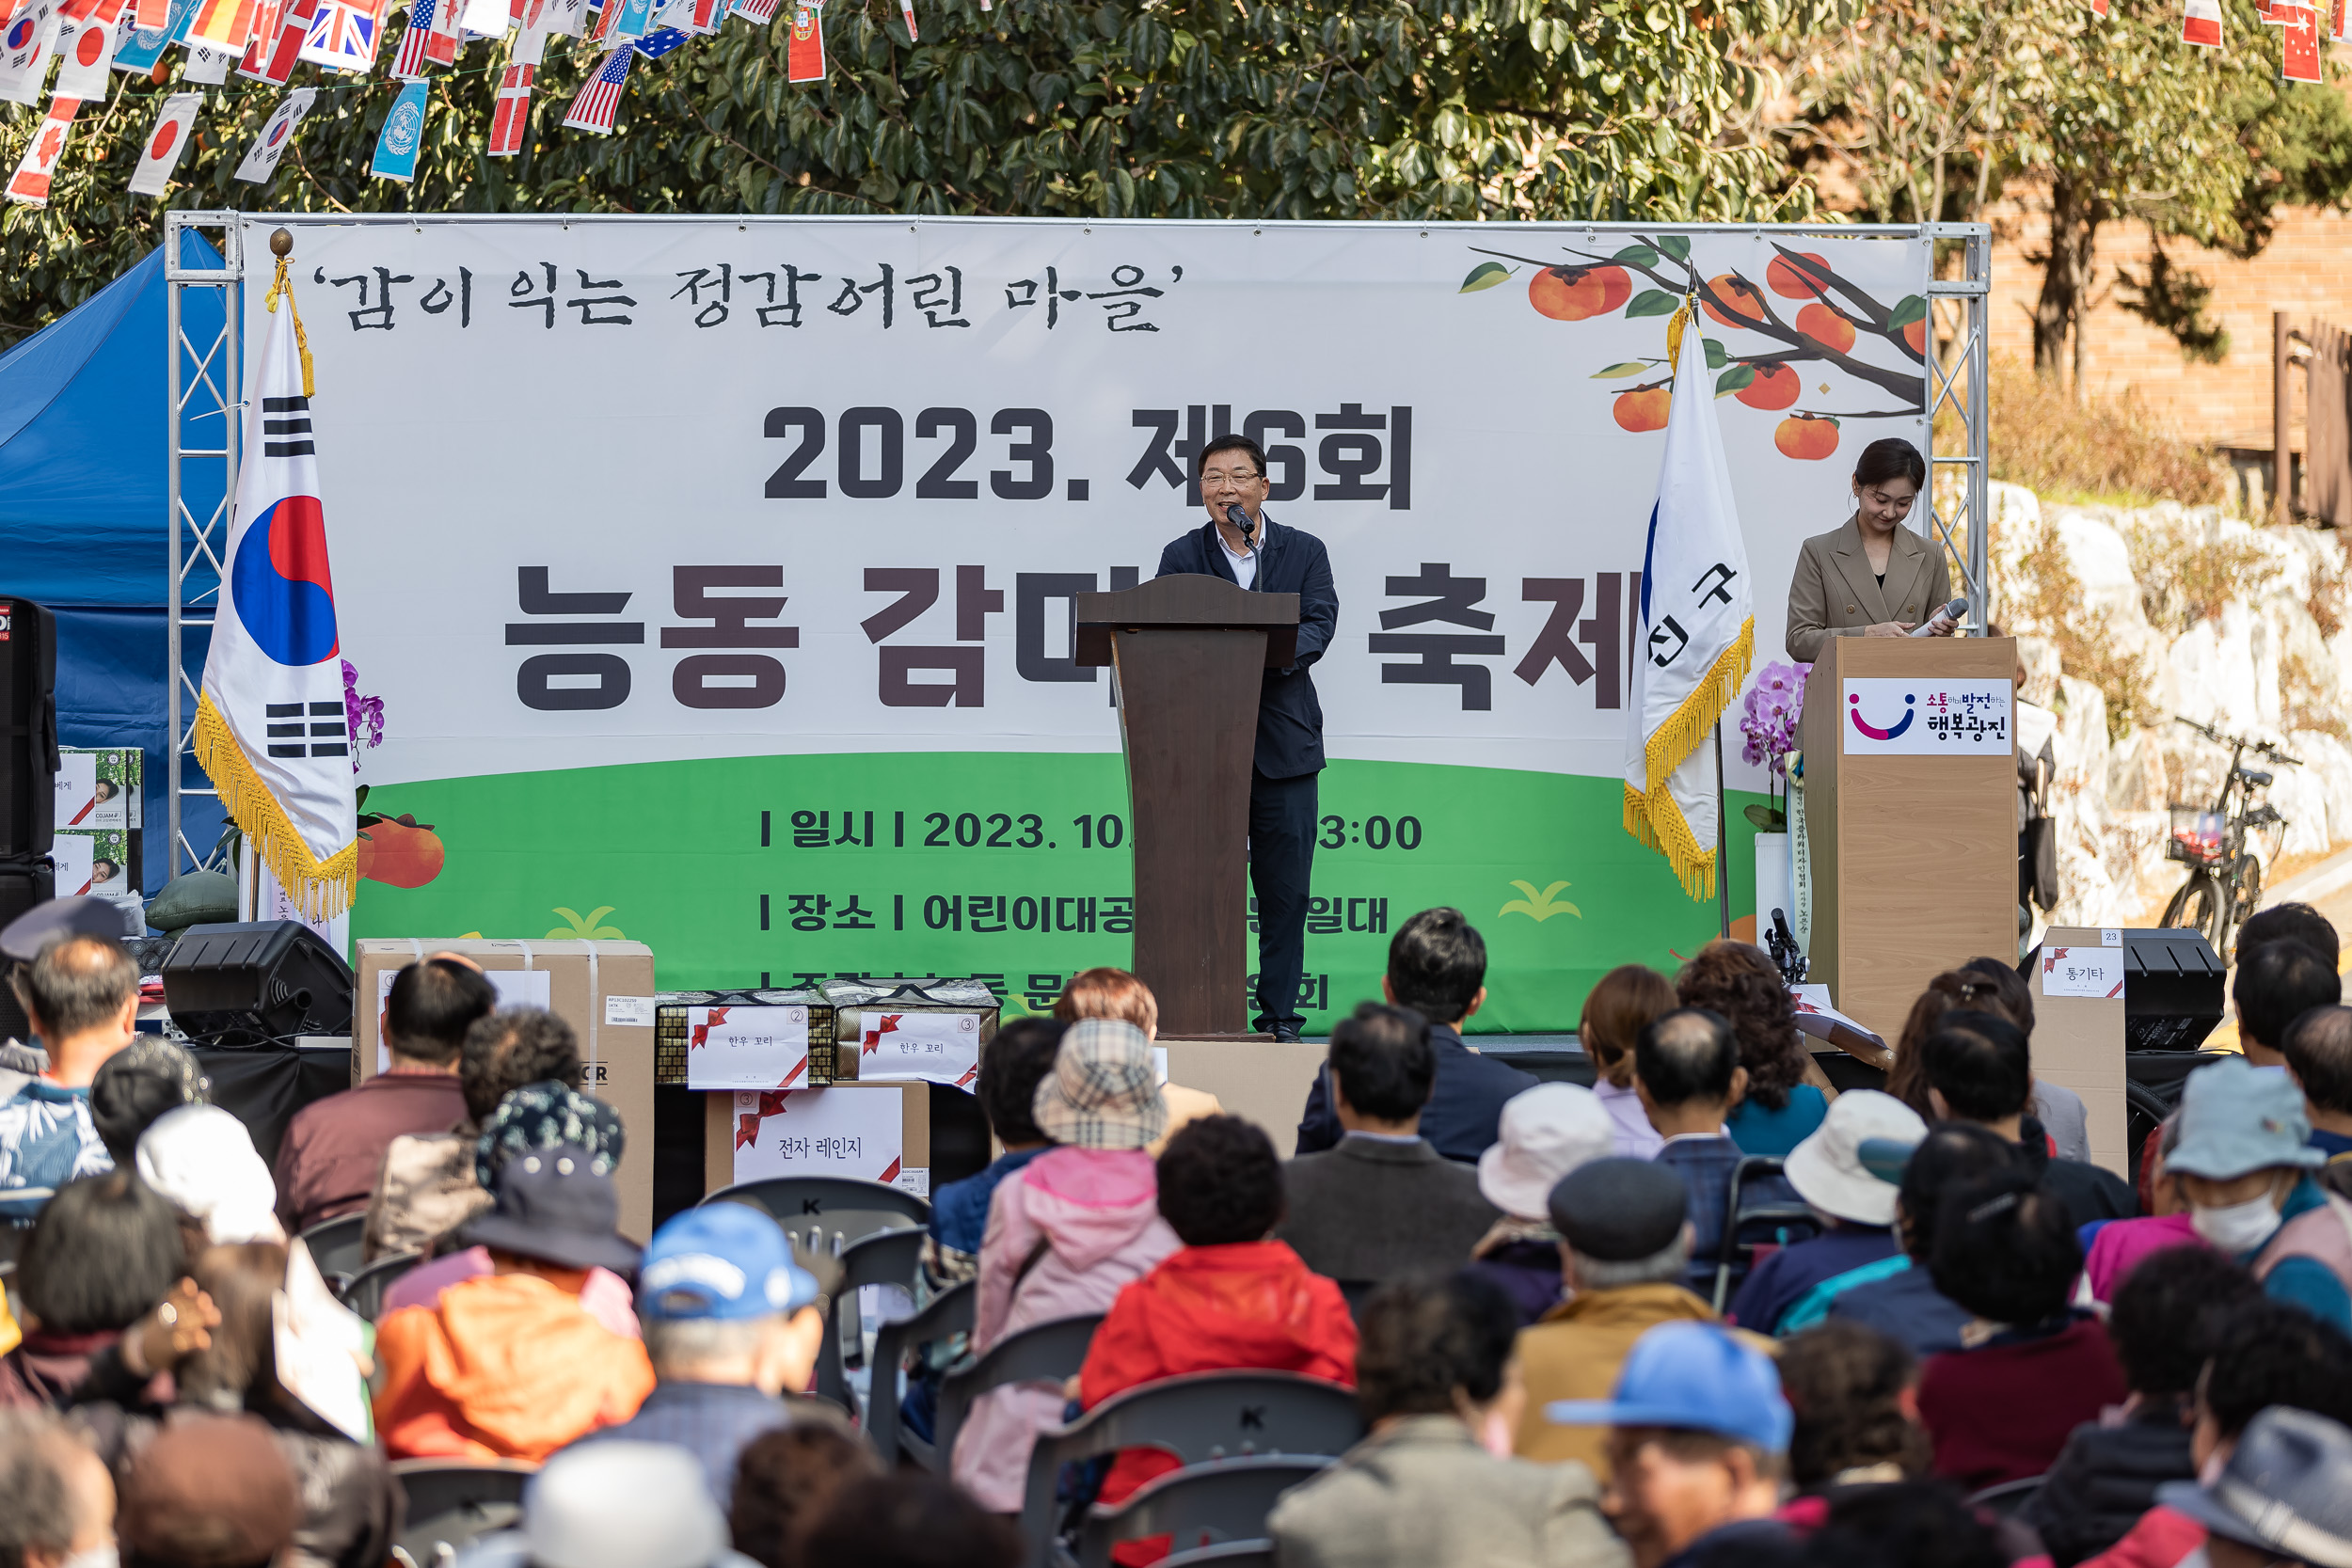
(806, 56)
(2299, 45)
(2201, 24)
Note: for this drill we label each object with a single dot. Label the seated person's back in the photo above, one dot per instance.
(81, 995)
(1383, 1203)
(1436, 966)
(1980, 1068)
(1899, 1297)
(1686, 1069)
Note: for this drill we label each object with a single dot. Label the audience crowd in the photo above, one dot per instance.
(1709, 1311)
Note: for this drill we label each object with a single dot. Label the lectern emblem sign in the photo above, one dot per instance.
(1905, 716)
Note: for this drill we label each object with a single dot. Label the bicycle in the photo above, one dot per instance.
(2225, 877)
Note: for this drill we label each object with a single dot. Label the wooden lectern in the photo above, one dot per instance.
(1189, 654)
(1914, 858)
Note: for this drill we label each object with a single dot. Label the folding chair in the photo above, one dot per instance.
(1222, 1502)
(1051, 1352)
(2009, 1498)
(1198, 1417)
(339, 1248)
(364, 1293)
(950, 1313)
(1741, 1219)
(450, 1503)
(1227, 1554)
(839, 1204)
(880, 1258)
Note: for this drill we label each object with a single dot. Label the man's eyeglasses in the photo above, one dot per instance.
(1213, 477)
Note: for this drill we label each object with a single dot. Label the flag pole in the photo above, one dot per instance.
(1722, 841)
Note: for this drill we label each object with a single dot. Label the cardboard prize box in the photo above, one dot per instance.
(871, 1132)
(603, 990)
(2077, 983)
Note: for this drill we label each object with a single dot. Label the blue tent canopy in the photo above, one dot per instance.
(84, 513)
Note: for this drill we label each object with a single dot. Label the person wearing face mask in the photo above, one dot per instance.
(1435, 1485)
(2245, 1165)
(1870, 576)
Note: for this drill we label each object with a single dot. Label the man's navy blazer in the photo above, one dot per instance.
(1290, 719)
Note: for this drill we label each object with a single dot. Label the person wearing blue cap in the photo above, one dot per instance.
(2245, 1165)
(1698, 1446)
(732, 1321)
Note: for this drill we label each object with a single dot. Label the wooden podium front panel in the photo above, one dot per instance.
(1914, 857)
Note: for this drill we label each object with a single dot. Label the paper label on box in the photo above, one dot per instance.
(944, 1048)
(915, 1179)
(2110, 936)
(73, 855)
(2082, 972)
(628, 1012)
(838, 1131)
(77, 787)
(745, 1048)
(1913, 717)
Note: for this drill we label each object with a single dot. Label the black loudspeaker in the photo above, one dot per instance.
(2172, 989)
(261, 984)
(28, 728)
(23, 883)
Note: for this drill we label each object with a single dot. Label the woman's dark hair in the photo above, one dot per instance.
(785, 1479)
(1919, 1524)
(1015, 1062)
(139, 1082)
(2168, 1314)
(512, 1047)
(2013, 997)
(103, 1252)
(1220, 1182)
(1891, 457)
(2004, 1249)
(1949, 1154)
(238, 1370)
(910, 1519)
(1620, 1006)
(1423, 1341)
(1736, 979)
(1955, 991)
(1981, 1063)
(1846, 1382)
(2274, 1352)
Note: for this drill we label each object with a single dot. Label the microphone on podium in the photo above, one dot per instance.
(1240, 519)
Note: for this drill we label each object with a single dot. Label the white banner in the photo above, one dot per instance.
(629, 490)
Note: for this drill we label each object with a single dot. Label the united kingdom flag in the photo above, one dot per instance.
(342, 36)
(593, 108)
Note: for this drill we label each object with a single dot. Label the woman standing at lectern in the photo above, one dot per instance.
(1871, 576)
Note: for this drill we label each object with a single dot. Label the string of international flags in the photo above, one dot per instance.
(90, 42)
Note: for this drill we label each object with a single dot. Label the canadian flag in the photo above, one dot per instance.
(2203, 24)
(512, 121)
(174, 129)
(85, 55)
(30, 184)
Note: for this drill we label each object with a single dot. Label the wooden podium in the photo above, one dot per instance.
(1914, 857)
(1188, 654)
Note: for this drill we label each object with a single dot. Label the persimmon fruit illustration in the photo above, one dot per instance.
(1917, 336)
(1740, 295)
(398, 852)
(1825, 327)
(1785, 278)
(1645, 409)
(1806, 437)
(1578, 293)
(1775, 387)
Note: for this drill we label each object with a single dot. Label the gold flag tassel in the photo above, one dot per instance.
(321, 890)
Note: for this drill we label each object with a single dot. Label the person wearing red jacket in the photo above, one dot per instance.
(1229, 1299)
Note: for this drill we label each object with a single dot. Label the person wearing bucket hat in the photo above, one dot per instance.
(510, 1365)
(2245, 1165)
(1383, 1204)
(732, 1322)
(1065, 1233)
(1857, 1203)
(1698, 1446)
(2284, 1497)
(1547, 1132)
(202, 1159)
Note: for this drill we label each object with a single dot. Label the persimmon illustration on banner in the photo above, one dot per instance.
(1803, 313)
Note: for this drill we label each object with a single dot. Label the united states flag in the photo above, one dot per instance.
(408, 64)
(593, 108)
(761, 13)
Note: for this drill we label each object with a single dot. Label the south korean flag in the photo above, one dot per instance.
(260, 161)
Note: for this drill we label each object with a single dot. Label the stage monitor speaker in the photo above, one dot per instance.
(23, 883)
(259, 983)
(28, 728)
(2172, 989)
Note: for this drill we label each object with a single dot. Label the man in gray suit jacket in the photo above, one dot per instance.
(1382, 1203)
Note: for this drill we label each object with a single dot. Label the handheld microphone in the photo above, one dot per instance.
(1240, 519)
(1955, 610)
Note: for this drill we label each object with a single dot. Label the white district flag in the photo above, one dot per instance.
(1697, 629)
(270, 724)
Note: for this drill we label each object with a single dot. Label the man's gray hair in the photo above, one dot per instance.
(76, 984)
(37, 1514)
(685, 1342)
(1671, 1266)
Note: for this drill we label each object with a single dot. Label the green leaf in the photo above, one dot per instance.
(1765, 819)
(1716, 357)
(1483, 276)
(1736, 379)
(1653, 302)
(1675, 245)
(1637, 255)
(1621, 370)
(1908, 310)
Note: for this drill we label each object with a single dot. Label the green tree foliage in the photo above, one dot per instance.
(1408, 109)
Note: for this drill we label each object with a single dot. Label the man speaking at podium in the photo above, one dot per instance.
(1242, 545)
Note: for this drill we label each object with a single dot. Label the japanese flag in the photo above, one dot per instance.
(31, 182)
(2201, 24)
(174, 128)
(261, 160)
(806, 54)
(2299, 50)
(24, 48)
(85, 55)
